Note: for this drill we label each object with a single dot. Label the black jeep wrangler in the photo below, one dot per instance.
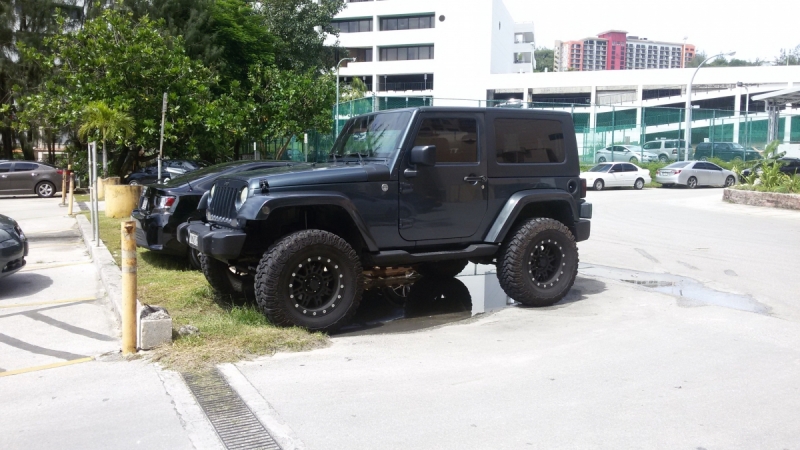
(426, 189)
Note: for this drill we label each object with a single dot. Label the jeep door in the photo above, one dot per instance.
(449, 199)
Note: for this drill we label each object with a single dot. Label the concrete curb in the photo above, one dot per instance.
(111, 277)
(768, 199)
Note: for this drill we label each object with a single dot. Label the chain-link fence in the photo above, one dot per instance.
(597, 127)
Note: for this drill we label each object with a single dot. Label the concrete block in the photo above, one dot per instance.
(155, 327)
(768, 199)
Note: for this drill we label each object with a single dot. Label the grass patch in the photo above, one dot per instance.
(229, 331)
(82, 198)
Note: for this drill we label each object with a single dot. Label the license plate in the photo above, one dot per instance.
(144, 203)
(193, 239)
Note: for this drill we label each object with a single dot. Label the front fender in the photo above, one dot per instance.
(517, 202)
(259, 207)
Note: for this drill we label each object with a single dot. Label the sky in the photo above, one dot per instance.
(753, 29)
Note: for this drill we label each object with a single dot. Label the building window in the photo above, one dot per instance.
(529, 141)
(353, 26)
(407, 23)
(406, 53)
(522, 58)
(360, 54)
(523, 38)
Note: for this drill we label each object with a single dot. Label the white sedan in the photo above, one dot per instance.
(695, 173)
(606, 175)
(627, 153)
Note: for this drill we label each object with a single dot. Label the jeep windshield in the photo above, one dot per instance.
(376, 136)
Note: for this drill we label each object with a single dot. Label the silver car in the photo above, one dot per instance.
(626, 153)
(28, 177)
(695, 173)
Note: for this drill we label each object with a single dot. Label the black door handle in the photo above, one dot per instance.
(475, 179)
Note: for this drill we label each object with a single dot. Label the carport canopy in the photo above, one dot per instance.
(776, 100)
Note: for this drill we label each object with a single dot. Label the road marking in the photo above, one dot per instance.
(31, 267)
(56, 302)
(46, 366)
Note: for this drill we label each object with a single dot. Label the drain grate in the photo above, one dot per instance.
(236, 425)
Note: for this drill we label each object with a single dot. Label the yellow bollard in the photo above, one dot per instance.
(64, 185)
(71, 191)
(128, 232)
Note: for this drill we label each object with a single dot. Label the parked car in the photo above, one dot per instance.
(163, 207)
(695, 173)
(13, 246)
(146, 175)
(28, 177)
(667, 149)
(726, 151)
(630, 153)
(789, 166)
(606, 175)
(180, 166)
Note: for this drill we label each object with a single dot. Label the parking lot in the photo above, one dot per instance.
(681, 331)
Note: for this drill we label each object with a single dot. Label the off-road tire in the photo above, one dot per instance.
(281, 268)
(531, 242)
(442, 269)
(222, 280)
(194, 259)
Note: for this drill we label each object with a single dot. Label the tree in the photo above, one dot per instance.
(789, 57)
(128, 64)
(354, 90)
(544, 59)
(110, 123)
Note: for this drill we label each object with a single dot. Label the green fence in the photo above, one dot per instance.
(596, 127)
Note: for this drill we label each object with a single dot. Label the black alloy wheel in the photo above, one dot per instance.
(538, 262)
(311, 279)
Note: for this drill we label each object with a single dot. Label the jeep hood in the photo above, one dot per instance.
(315, 174)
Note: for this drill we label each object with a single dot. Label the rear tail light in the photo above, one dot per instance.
(164, 202)
(676, 172)
(675, 151)
(60, 172)
(583, 187)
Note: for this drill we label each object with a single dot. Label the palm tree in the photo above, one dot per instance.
(111, 123)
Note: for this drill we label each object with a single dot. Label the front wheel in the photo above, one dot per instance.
(730, 181)
(601, 159)
(311, 279)
(633, 160)
(133, 183)
(691, 183)
(639, 184)
(538, 263)
(598, 185)
(223, 280)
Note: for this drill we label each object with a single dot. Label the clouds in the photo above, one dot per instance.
(752, 29)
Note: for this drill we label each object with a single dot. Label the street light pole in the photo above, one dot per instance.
(746, 115)
(689, 104)
(336, 119)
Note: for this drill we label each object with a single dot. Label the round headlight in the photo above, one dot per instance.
(242, 197)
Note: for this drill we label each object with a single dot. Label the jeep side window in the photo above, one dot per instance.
(456, 139)
(529, 141)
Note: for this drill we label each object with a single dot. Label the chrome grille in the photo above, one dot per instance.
(223, 205)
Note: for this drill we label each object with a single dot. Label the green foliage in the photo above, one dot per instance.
(354, 90)
(108, 122)
(544, 59)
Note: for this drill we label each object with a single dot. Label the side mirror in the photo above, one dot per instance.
(424, 155)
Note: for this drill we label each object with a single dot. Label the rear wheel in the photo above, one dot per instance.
(598, 185)
(691, 182)
(538, 263)
(45, 189)
(663, 158)
(601, 159)
(311, 279)
(442, 269)
(639, 184)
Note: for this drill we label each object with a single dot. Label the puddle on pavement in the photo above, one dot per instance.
(689, 292)
(428, 303)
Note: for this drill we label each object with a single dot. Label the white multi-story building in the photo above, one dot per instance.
(403, 46)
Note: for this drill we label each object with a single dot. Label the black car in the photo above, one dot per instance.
(146, 175)
(789, 166)
(418, 190)
(726, 151)
(13, 246)
(163, 207)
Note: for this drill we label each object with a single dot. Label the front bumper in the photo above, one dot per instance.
(12, 257)
(157, 233)
(218, 242)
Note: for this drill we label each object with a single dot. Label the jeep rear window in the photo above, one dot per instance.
(529, 141)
